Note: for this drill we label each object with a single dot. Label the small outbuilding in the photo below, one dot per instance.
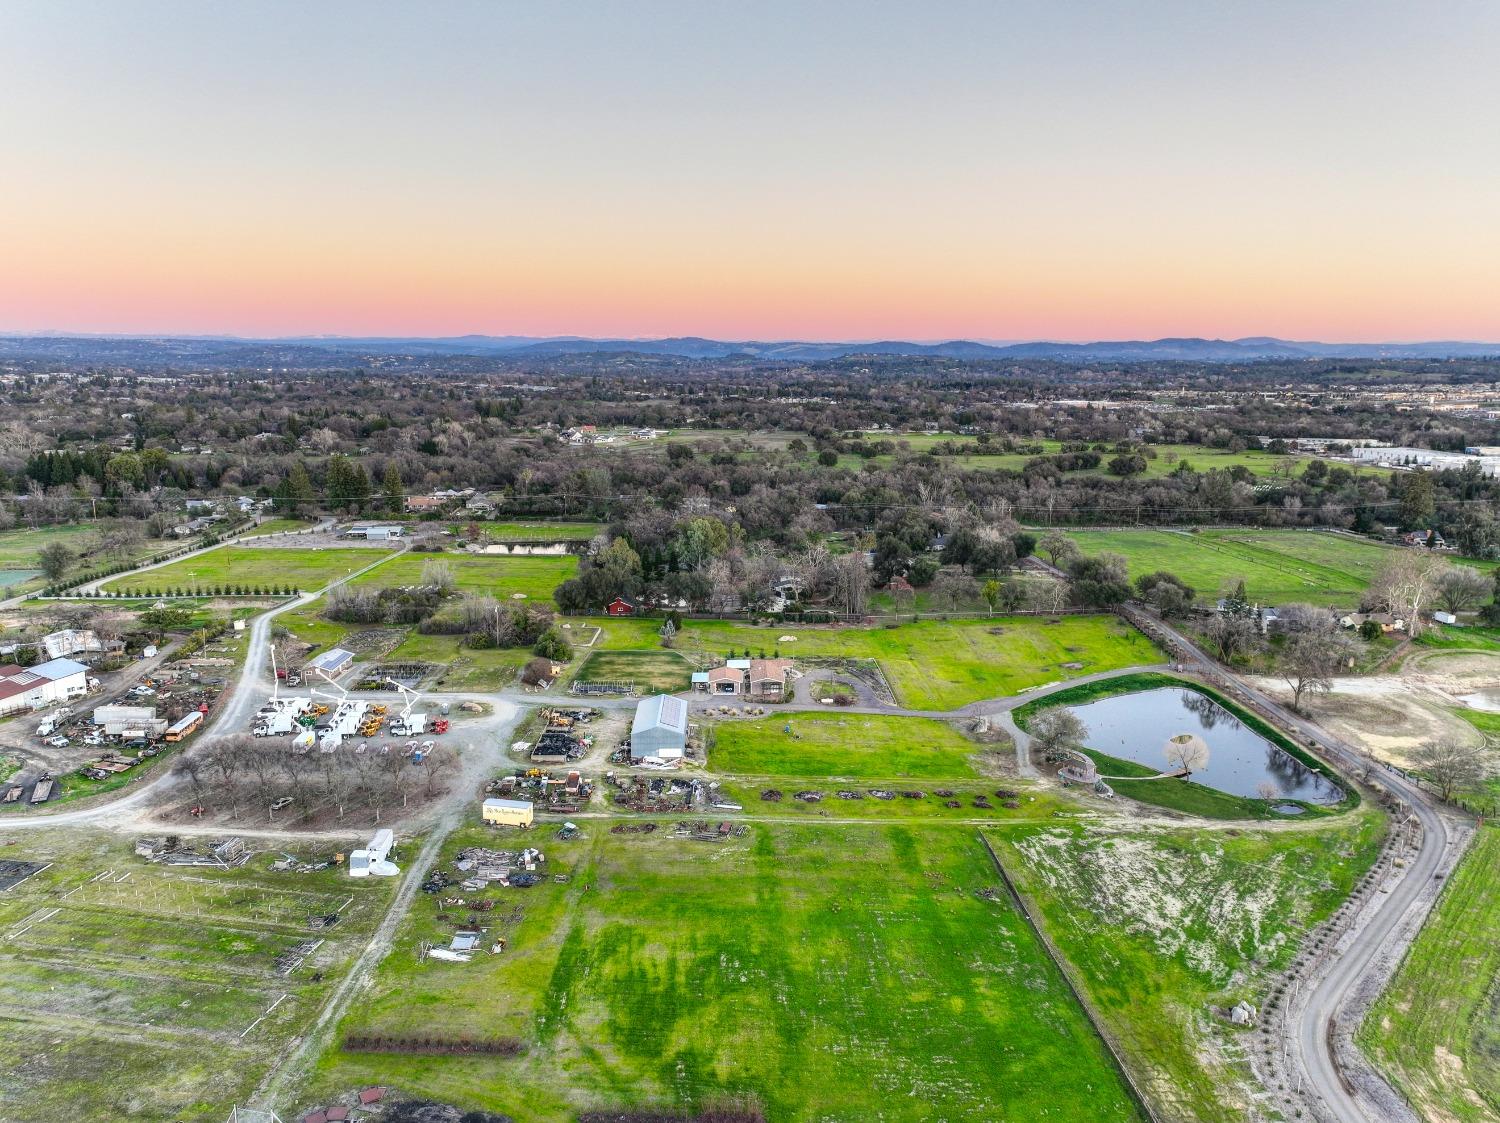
(507, 812)
(659, 731)
(331, 663)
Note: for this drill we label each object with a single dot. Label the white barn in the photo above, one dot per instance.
(31, 688)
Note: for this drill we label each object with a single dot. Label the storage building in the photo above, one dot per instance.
(659, 731)
(331, 663)
(31, 688)
(507, 812)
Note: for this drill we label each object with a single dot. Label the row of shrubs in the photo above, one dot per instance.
(196, 591)
(60, 588)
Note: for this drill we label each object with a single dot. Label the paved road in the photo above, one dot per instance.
(1321, 1018)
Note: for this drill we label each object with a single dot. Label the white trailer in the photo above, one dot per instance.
(373, 861)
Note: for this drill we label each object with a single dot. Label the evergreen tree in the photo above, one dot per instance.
(390, 487)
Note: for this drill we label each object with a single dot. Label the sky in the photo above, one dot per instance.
(814, 170)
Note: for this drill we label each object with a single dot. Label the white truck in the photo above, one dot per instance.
(409, 726)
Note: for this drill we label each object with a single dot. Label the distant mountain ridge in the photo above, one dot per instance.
(1186, 349)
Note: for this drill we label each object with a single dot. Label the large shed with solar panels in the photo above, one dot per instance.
(659, 731)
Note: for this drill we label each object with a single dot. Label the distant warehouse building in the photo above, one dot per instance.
(507, 812)
(659, 731)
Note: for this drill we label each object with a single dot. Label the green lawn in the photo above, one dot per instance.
(306, 569)
(652, 672)
(542, 531)
(491, 574)
(132, 991)
(847, 973)
(1436, 1030)
(842, 745)
(933, 664)
(281, 526)
(1159, 924)
(20, 572)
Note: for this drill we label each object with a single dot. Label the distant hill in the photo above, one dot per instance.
(1189, 349)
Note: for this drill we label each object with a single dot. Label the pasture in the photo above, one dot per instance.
(1436, 1030)
(843, 745)
(932, 664)
(524, 579)
(542, 531)
(308, 569)
(821, 972)
(19, 547)
(1277, 565)
(1159, 924)
(650, 672)
(138, 991)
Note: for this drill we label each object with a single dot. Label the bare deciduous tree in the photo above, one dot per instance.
(1407, 584)
(1452, 767)
(1462, 588)
(1309, 660)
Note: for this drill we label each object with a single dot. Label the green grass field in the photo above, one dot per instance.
(850, 973)
(933, 664)
(492, 574)
(305, 569)
(132, 991)
(281, 526)
(20, 572)
(542, 531)
(1159, 924)
(652, 672)
(843, 745)
(1436, 1029)
(1277, 565)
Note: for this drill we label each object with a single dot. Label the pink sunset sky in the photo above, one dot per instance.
(830, 171)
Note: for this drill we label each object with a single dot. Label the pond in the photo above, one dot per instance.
(1136, 727)
(17, 576)
(544, 549)
(1487, 700)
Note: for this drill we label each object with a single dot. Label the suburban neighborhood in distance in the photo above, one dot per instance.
(778, 563)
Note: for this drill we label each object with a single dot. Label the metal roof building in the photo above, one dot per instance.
(332, 663)
(659, 729)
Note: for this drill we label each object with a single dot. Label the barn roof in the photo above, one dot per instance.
(660, 711)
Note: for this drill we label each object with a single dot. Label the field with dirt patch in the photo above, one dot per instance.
(830, 974)
(649, 672)
(139, 991)
(525, 579)
(1159, 924)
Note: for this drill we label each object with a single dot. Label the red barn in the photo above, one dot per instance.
(620, 607)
